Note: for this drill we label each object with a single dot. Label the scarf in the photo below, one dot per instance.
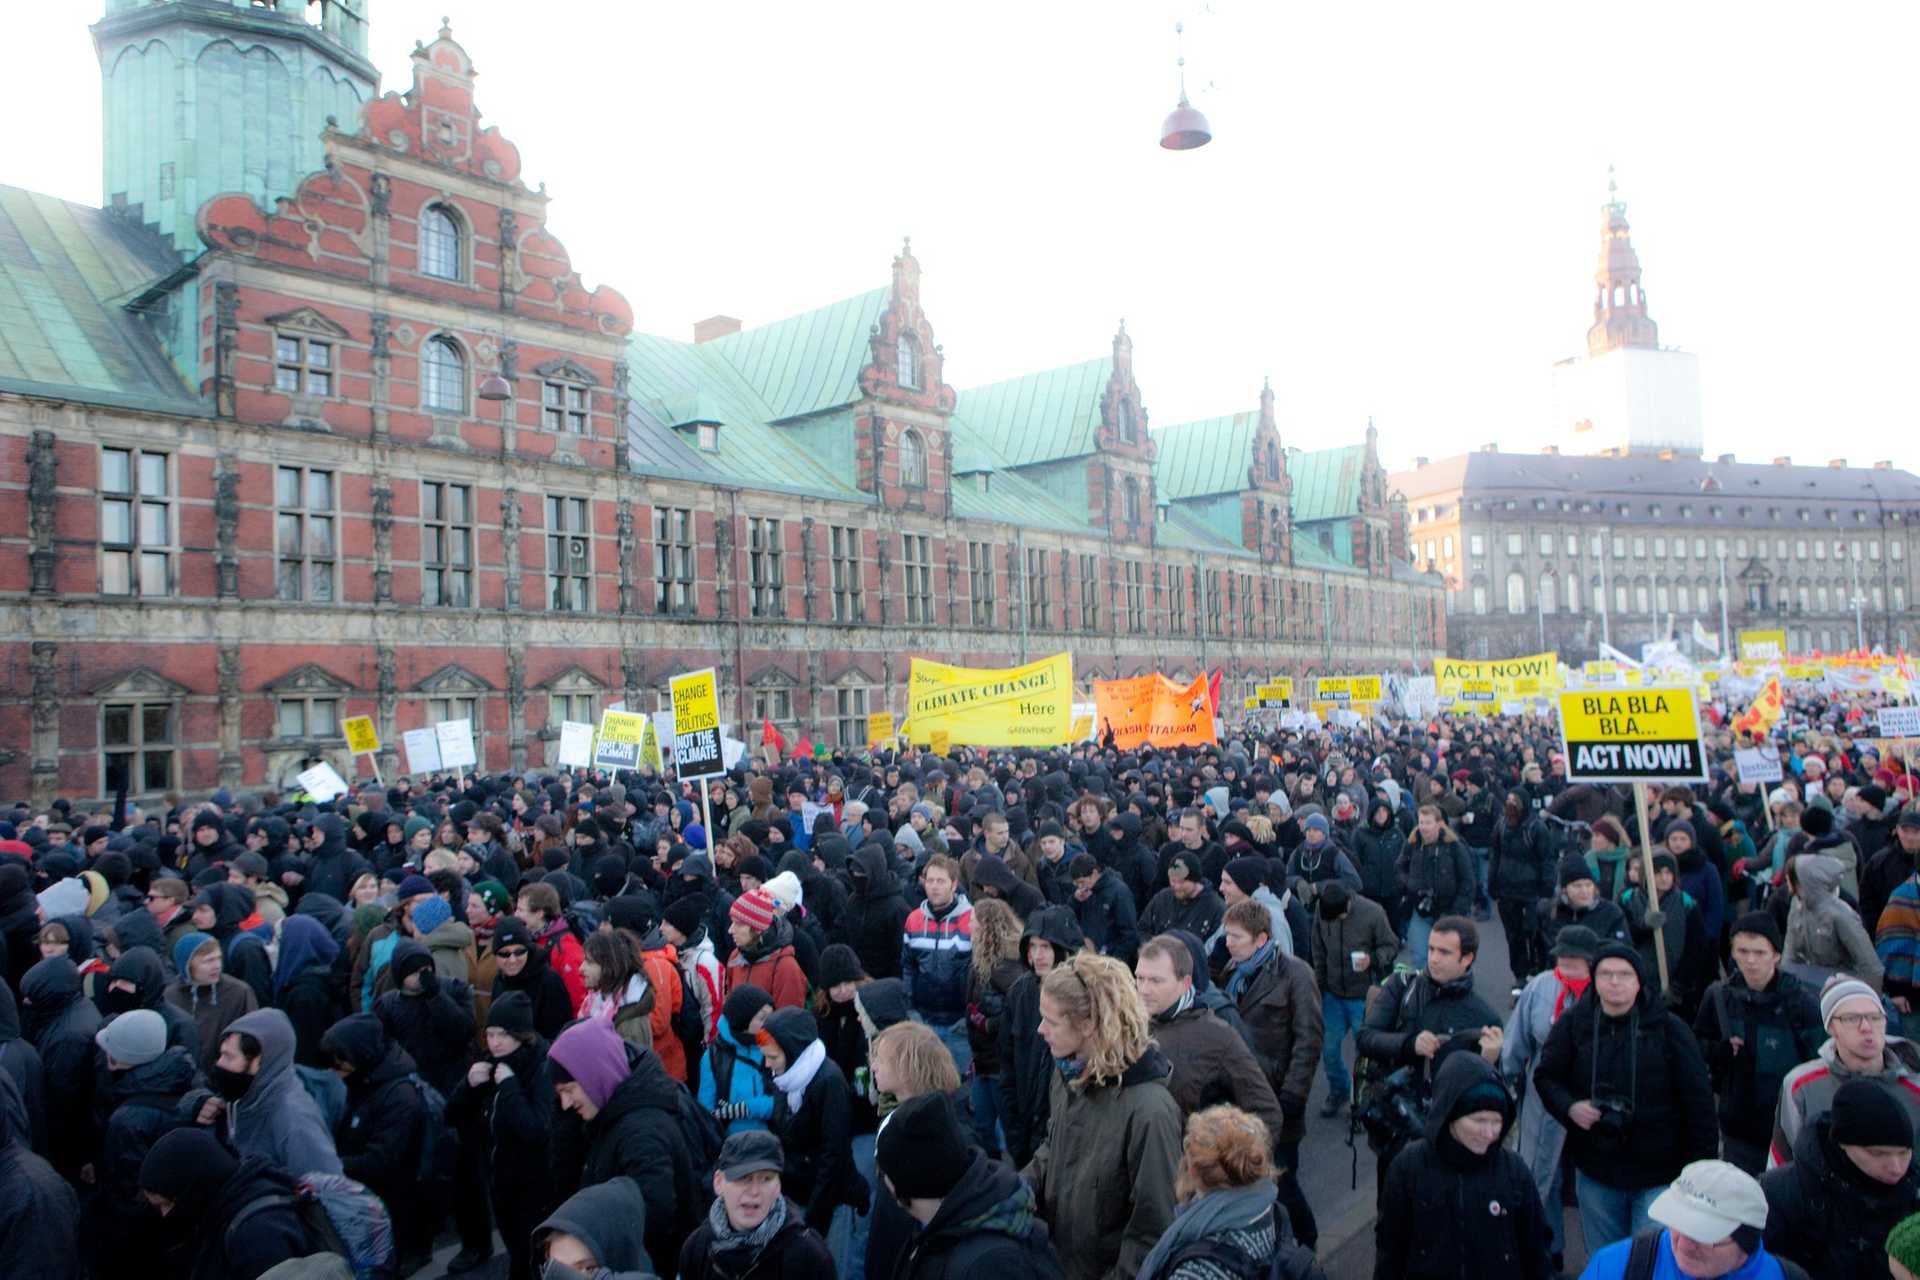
(799, 1074)
(1244, 971)
(1070, 1068)
(1212, 1214)
(1180, 1006)
(1570, 989)
(745, 1245)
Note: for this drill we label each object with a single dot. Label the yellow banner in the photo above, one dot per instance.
(361, 739)
(1154, 711)
(1030, 706)
(940, 742)
(1763, 646)
(879, 727)
(1505, 673)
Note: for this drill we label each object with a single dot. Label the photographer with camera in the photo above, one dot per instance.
(1439, 875)
(1413, 1022)
(1627, 1081)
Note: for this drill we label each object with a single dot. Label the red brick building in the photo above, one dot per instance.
(369, 446)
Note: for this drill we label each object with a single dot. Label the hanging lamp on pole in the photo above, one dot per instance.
(1184, 128)
(494, 387)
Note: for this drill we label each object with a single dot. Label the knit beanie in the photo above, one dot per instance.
(1866, 1114)
(136, 1037)
(185, 1162)
(741, 1004)
(839, 963)
(512, 931)
(686, 914)
(1314, 822)
(415, 886)
(430, 913)
(754, 866)
(785, 891)
(1573, 869)
(1839, 989)
(1903, 1243)
(591, 1054)
(1685, 828)
(511, 1012)
(1248, 873)
(1762, 925)
(755, 909)
(1487, 1095)
(495, 895)
(922, 1149)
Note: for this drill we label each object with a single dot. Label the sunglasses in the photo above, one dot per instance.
(508, 953)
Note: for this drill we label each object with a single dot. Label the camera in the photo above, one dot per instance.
(1425, 905)
(1615, 1115)
(1395, 1110)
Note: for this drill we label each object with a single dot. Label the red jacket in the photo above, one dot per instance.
(777, 973)
(563, 957)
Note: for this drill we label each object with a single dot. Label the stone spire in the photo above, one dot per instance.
(1620, 305)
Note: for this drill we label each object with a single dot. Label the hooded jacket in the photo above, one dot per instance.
(213, 1009)
(876, 912)
(1645, 1057)
(143, 969)
(386, 1120)
(435, 1024)
(1108, 920)
(303, 985)
(1103, 1176)
(140, 1104)
(39, 1216)
(20, 1063)
(1779, 1028)
(1520, 864)
(1446, 1212)
(332, 868)
(277, 1119)
(770, 965)
(609, 1219)
(61, 1023)
(987, 1225)
(1026, 1065)
(1823, 931)
(1376, 856)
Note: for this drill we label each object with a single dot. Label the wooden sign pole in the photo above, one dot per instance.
(1653, 890)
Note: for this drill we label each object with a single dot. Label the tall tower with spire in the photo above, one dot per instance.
(1628, 394)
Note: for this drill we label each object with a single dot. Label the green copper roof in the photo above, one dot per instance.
(1326, 482)
(1181, 530)
(1211, 456)
(65, 271)
(1008, 497)
(807, 363)
(1040, 417)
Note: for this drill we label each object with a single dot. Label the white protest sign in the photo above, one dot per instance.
(663, 733)
(1900, 722)
(456, 744)
(1513, 708)
(323, 782)
(576, 744)
(731, 749)
(423, 750)
(1757, 765)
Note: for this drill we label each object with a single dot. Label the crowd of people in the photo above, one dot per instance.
(1032, 1013)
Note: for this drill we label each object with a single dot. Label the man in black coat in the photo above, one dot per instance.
(876, 913)
(385, 1126)
(1851, 1182)
(143, 1080)
(329, 867)
(753, 1228)
(430, 1018)
(20, 1064)
(239, 1217)
(1188, 902)
(977, 1216)
(1626, 1079)
(39, 1214)
(61, 1022)
(1520, 873)
(1105, 910)
(138, 980)
(1026, 1066)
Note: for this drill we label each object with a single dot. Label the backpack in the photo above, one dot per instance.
(583, 919)
(722, 1057)
(688, 1027)
(704, 1136)
(1291, 1261)
(1645, 1253)
(433, 1131)
(345, 1217)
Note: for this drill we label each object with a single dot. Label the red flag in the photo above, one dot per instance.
(1213, 692)
(804, 748)
(770, 736)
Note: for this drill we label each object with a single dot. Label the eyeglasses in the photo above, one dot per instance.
(158, 897)
(510, 953)
(1857, 1020)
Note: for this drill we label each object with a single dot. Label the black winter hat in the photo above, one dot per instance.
(922, 1149)
(838, 964)
(1817, 820)
(741, 1004)
(686, 914)
(1761, 924)
(1866, 1114)
(1574, 868)
(512, 1012)
(1248, 874)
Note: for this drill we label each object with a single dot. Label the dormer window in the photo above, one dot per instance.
(1273, 464)
(707, 436)
(1123, 421)
(439, 242)
(913, 460)
(906, 359)
(1130, 491)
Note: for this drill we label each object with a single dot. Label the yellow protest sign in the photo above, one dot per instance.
(993, 707)
(650, 749)
(618, 743)
(361, 739)
(696, 725)
(940, 742)
(1632, 735)
(1763, 646)
(1807, 671)
(879, 727)
(1448, 673)
(1252, 704)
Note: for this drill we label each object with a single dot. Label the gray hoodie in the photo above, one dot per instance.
(277, 1119)
(1823, 932)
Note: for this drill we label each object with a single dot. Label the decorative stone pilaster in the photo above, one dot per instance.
(46, 723)
(632, 674)
(517, 703)
(387, 703)
(382, 356)
(226, 527)
(226, 341)
(510, 544)
(624, 547)
(382, 494)
(229, 675)
(806, 567)
(42, 480)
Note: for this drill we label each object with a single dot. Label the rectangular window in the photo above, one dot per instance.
(980, 582)
(1819, 551)
(1213, 602)
(303, 534)
(672, 560)
(1089, 595)
(1479, 598)
(849, 595)
(1546, 544)
(1136, 599)
(309, 718)
(446, 544)
(1515, 544)
(1660, 548)
(137, 743)
(569, 555)
(1639, 548)
(773, 704)
(1573, 544)
(577, 707)
(850, 717)
(1245, 584)
(1446, 547)
(766, 568)
(136, 523)
(1037, 588)
(1476, 544)
(916, 562)
(302, 366)
(564, 407)
(1177, 600)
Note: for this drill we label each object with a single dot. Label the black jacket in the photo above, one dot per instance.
(140, 1105)
(142, 967)
(1647, 1057)
(1779, 1029)
(794, 1252)
(1376, 856)
(1520, 863)
(435, 1027)
(1826, 1215)
(332, 868)
(637, 1135)
(1605, 918)
(1026, 1064)
(1200, 916)
(1446, 1212)
(1409, 1003)
(1442, 870)
(380, 1137)
(20, 1061)
(986, 1226)
(608, 1220)
(311, 1001)
(513, 1121)
(61, 1022)
(876, 912)
(252, 1226)
(552, 1006)
(1107, 919)
(39, 1216)
(818, 1140)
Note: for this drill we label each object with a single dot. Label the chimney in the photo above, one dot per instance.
(1838, 464)
(1490, 448)
(714, 327)
(1552, 451)
(1783, 461)
(1419, 462)
(1885, 464)
(1726, 459)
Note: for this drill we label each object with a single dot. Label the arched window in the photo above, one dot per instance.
(1641, 604)
(443, 375)
(1682, 597)
(1546, 594)
(913, 460)
(906, 360)
(1516, 592)
(439, 243)
(1273, 463)
(1130, 497)
(1123, 417)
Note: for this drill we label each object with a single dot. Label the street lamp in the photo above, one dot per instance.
(1185, 128)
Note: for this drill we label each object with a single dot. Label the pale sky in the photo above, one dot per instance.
(1398, 218)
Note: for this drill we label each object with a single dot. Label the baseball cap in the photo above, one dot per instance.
(750, 1151)
(1709, 1201)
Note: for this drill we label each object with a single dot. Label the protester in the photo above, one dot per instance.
(1543, 1001)
(1354, 946)
(1858, 1046)
(1852, 1181)
(752, 1228)
(1709, 1224)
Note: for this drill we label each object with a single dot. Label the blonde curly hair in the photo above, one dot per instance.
(1100, 999)
(996, 937)
(1224, 1147)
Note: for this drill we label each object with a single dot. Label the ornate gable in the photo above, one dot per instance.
(437, 119)
(307, 320)
(903, 334)
(1123, 418)
(773, 676)
(308, 677)
(567, 370)
(140, 682)
(453, 680)
(572, 678)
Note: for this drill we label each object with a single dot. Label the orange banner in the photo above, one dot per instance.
(1153, 710)
(1765, 712)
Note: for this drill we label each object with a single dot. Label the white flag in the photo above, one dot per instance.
(1710, 643)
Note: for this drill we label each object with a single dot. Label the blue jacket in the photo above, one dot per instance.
(936, 960)
(749, 1083)
(1611, 1264)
